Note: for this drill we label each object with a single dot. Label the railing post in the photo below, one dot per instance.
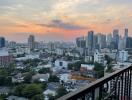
(93, 94)
(125, 87)
(130, 73)
(118, 91)
(118, 88)
(100, 92)
(122, 78)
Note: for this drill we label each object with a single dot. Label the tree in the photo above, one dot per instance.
(38, 97)
(31, 90)
(109, 68)
(4, 77)
(8, 81)
(44, 70)
(28, 77)
(44, 85)
(99, 70)
(19, 89)
(53, 78)
(50, 97)
(61, 91)
(108, 59)
(76, 66)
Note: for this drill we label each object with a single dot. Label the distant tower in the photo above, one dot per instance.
(125, 37)
(116, 38)
(2, 42)
(101, 41)
(80, 42)
(109, 39)
(90, 39)
(31, 42)
(126, 32)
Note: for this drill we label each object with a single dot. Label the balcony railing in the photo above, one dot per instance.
(115, 86)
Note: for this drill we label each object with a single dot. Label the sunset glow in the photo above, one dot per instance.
(63, 19)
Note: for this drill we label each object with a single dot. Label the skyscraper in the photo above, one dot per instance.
(115, 38)
(109, 39)
(31, 42)
(126, 32)
(101, 41)
(125, 37)
(121, 44)
(90, 38)
(80, 42)
(2, 42)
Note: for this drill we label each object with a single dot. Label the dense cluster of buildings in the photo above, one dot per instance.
(100, 41)
(114, 45)
(58, 56)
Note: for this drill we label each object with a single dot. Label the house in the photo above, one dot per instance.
(49, 92)
(51, 89)
(65, 77)
(31, 56)
(40, 77)
(5, 58)
(4, 90)
(17, 78)
(87, 70)
(123, 56)
(60, 63)
(99, 57)
(16, 98)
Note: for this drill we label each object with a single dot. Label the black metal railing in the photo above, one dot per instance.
(115, 86)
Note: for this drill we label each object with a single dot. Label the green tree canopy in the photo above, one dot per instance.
(53, 78)
(44, 70)
(38, 97)
(99, 70)
(31, 90)
(61, 91)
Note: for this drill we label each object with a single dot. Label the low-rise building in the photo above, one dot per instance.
(99, 57)
(41, 77)
(123, 56)
(5, 58)
(4, 90)
(87, 70)
(60, 63)
(16, 98)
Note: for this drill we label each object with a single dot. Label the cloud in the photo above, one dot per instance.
(62, 25)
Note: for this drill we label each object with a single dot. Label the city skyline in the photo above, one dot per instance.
(62, 19)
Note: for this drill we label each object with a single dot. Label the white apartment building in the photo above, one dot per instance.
(99, 57)
(123, 56)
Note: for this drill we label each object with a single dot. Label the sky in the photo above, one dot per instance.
(62, 19)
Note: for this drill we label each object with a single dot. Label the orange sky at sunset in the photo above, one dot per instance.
(62, 19)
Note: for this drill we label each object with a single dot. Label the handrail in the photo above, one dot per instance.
(94, 84)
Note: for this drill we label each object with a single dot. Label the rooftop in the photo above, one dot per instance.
(3, 52)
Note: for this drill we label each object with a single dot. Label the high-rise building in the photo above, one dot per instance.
(103, 44)
(129, 43)
(101, 41)
(126, 32)
(51, 46)
(89, 40)
(109, 39)
(31, 42)
(121, 44)
(95, 42)
(115, 38)
(80, 42)
(2, 42)
(125, 37)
